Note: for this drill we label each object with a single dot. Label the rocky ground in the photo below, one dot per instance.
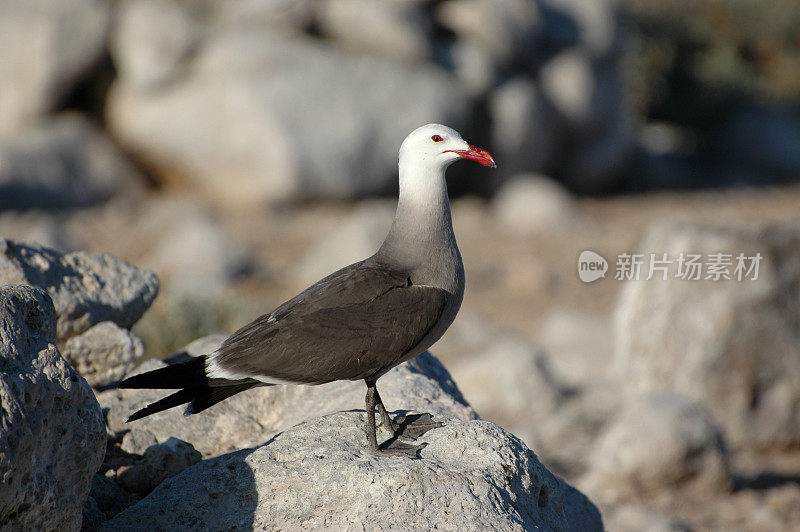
(534, 348)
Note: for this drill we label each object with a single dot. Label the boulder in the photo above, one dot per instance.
(579, 346)
(290, 16)
(506, 28)
(86, 288)
(152, 40)
(104, 353)
(159, 462)
(42, 59)
(530, 204)
(357, 237)
(526, 396)
(252, 417)
(52, 434)
(394, 28)
(472, 475)
(63, 161)
(658, 443)
(193, 256)
(733, 345)
(525, 130)
(293, 118)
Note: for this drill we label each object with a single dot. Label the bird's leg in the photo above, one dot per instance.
(386, 421)
(407, 428)
(393, 446)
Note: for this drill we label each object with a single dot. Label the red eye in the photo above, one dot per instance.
(437, 138)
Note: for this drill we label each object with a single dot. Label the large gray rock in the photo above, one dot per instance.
(158, 462)
(525, 396)
(530, 204)
(86, 288)
(152, 40)
(193, 255)
(104, 353)
(62, 162)
(40, 57)
(395, 28)
(472, 475)
(357, 237)
(526, 132)
(732, 345)
(505, 28)
(251, 417)
(282, 117)
(52, 434)
(657, 443)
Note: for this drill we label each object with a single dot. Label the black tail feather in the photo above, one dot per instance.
(177, 398)
(194, 387)
(175, 376)
(207, 396)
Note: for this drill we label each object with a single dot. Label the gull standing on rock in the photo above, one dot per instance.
(359, 322)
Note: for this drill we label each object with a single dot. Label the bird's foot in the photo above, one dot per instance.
(412, 426)
(395, 447)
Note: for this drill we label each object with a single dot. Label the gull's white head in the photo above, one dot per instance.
(437, 147)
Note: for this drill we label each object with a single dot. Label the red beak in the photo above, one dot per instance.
(477, 155)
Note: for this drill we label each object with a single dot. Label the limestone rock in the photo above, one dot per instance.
(579, 346)
(86, 288)
(104, 353)
(506, 28)
(193, 256)
(513, 384)
(658, 443)
(293, 119)
(137, 441)
(356, 238)
(395, 28)
(532, 204)
(41, 58)
(251, 417)
(62, 162)
(52, 434)
(731, 344)
(158, 462)
(472, 475)
(525, 128)
(152, 40)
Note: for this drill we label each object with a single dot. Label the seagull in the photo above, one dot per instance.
(358, 322)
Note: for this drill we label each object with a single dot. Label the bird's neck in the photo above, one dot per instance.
(422, 225)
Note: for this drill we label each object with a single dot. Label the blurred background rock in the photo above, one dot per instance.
(243, 149)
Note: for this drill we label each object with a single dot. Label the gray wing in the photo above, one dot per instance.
(351, 325)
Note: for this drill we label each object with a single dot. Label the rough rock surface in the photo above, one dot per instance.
(86, 288)
(158, 462)
(251, 417)
(104, 353)
(64, 161)
(657, 443)
(472, 475)
(293, 119)
(52, 435)
(732, 345)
